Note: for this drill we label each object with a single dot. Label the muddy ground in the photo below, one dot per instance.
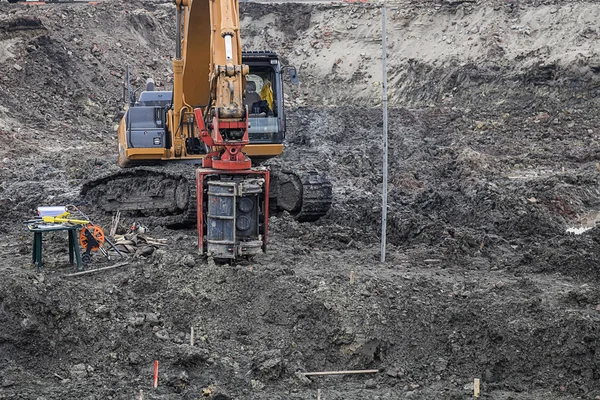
(493, 154)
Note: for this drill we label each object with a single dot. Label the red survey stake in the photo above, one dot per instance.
(155, 374)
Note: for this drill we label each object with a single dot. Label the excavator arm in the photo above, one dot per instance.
(210, 48)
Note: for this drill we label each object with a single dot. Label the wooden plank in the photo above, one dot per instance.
(98, 269)
(351, 372)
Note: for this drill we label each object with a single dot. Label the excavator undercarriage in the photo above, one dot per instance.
(166, 195)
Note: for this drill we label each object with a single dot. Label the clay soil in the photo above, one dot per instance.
(494, 144)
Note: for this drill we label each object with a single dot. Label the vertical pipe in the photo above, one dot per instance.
(178, 19)
(385, 133)
(228, 48)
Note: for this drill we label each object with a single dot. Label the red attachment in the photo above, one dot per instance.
(230, 156)
(201, 173)
(204, 133)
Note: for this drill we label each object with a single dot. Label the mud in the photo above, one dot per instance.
(493, 155)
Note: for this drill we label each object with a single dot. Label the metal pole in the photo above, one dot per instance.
(178, 32)
(385, 132)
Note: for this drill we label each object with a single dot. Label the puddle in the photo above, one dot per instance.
(585, 223)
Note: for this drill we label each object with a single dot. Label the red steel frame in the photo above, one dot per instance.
(201, 173)
(229, 155)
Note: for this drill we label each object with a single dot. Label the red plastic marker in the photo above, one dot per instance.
(155, 374)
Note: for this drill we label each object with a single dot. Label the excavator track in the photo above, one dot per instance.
(166, 195)
(305, 194)
(160, 196)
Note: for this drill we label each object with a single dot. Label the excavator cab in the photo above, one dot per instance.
(264, 99)
(145, 121)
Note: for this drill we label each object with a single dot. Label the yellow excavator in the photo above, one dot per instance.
(225, 114)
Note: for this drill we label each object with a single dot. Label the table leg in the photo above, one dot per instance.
(38, 250)
(34, 249)
(71, 245)
(77, 254)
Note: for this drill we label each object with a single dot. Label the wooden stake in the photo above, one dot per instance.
(156, 374)
(318, 394)
(352, 277)
(192, 336)
(98, 269)
(476, 387)
(141, 394)
(597, 166)
(115, 221)
(563, 170)
(351, 372)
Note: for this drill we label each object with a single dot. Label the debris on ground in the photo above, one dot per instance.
(137, 244)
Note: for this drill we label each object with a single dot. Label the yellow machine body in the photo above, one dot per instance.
(203, 76)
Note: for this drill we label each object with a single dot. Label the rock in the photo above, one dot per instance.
(257, 385)
(191, 356)
(18, 67)
(163, 334)
(78, 371)
(488, 376)
(369, 349)
(145, 251)
(134, 358)
(221, 396)
(6, 382)
(28, 324)
(303, 379)
(188, 261)
(152, 319)
(371, 384)
(440, 364)
(179, 383)
(268, 364)
(392, 372)
(95, 50)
